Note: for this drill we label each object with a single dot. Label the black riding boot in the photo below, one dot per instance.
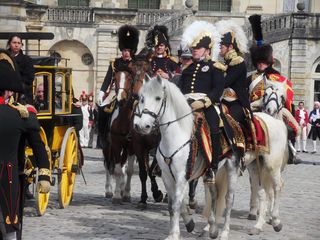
(216, 151)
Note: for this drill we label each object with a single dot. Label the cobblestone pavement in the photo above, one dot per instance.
(91, 216)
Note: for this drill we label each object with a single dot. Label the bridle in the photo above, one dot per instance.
(272, 97)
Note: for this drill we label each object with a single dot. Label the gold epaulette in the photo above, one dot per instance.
(112, 66)
(236, 60)
(23, 111)
(220, 66)
(273, 77)
(173, 59)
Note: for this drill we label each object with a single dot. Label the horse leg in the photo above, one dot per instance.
(262, 212)
(143, 179)
(254, 185)
(187, 219)
(192, 192)
(119, 177)
(108, 186)
(156, 193)
(276, 183)
(126, 195)
(232, 179)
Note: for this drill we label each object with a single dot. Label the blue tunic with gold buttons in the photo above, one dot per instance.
(205, 77)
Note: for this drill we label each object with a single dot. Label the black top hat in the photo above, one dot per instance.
(10, 78)
(128, 38)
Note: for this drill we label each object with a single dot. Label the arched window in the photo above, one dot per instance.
(316, 77)
(144, 4)
(215, 5)
(74, 3)
(317, 69)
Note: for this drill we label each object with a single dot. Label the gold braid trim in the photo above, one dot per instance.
(23, 111)
(4, 56)
(44, 172)
(235, 61)
(220, 66)
(173, 59)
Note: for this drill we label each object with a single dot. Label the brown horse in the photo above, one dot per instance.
(125, 143)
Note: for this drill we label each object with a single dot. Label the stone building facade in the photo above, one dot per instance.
(86, 32)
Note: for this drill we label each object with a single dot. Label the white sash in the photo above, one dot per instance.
(255, 82)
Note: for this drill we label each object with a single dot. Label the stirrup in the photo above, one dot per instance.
(209, 177)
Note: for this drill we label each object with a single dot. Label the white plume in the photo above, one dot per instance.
(225, 26)
(199, 27)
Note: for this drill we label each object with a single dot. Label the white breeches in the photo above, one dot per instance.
(84, 135)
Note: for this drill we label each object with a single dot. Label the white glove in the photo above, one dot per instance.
(100, 97)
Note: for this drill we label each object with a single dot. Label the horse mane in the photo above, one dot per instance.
(175, 99)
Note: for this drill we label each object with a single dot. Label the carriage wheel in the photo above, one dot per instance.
(68, 167)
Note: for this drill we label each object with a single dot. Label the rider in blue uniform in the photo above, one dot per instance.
(205, 76)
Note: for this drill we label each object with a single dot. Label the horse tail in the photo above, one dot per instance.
(208, 201)
(222, 188)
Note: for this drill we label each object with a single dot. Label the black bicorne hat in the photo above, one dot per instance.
(228, 39)
(158, 35)
(10, 78)
(260, 52)
(128, 38)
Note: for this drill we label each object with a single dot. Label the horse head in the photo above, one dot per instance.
(152, 104)
(273, 98)
(123, 86)
(140, 68)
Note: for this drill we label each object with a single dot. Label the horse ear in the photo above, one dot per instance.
(159, 79)
(147, 78)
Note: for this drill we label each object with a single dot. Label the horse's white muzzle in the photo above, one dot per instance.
(143, 124)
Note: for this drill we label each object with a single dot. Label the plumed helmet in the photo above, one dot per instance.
(156, 36)
(203, 34)
(128, 38)
(260, 51)
(232, 33)
(184, 50)
(10, 78)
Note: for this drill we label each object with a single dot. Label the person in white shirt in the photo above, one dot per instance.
(301, 115)
(314, 120)
(84, 132)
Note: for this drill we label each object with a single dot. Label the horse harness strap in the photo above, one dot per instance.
(168, 160)
(272, 97)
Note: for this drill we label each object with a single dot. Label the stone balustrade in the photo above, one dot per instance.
(70, 15)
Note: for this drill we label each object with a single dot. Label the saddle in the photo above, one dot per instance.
(201, 142)
(259, 139)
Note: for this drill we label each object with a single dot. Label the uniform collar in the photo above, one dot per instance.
(230, 55)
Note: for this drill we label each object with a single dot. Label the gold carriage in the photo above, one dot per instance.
(53, 101)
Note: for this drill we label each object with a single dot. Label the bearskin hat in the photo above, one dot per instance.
(156, 36)
(260, 52)
(203, 34)
(232, 33)
(9, 76)
(128, 38)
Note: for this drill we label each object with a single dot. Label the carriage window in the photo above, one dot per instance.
(42, 93)
(62, 92)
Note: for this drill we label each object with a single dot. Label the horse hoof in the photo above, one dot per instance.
(190, 225)
(278, 227)
(252, 217)
(126, 199)
(165, 200)
(116, 200)
(108, 195)
(193, 204)
(158, 196)
(214, 234)
(142, 206)
(254, 231)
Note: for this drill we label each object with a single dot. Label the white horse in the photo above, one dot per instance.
(163, 106)
(272, 164)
